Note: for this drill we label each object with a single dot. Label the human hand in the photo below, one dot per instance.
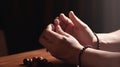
(74, 26)
(60, 44)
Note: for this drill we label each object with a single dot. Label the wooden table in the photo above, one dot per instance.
(17, 59)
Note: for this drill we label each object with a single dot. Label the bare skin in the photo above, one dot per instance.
(60, 44)
(74, 26)
(64, 43)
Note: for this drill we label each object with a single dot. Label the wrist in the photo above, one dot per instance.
(97, 43)
(80, 56)
(73, 56)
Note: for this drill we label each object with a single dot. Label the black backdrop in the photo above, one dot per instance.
(24, 20)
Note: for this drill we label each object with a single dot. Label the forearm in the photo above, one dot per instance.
(99, 58)
(110, 41)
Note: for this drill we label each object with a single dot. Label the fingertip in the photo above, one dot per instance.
(50, 27)
(62, 15)
(71, 14)
(56, 21)
(53, 27)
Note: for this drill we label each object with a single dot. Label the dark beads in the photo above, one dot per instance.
(27, 62)
(37, 62)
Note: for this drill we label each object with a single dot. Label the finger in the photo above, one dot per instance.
(60, 31)
(76, 20)
(53, 27)
(51, 35)
(56, 22)
(59, 19)
(65, 19)
(44, 39)
(50, 27)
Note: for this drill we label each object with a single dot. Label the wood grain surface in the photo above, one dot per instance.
(16, 60)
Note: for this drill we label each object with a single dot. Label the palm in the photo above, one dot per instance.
(82, 35)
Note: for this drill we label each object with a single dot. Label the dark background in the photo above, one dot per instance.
(24, 20)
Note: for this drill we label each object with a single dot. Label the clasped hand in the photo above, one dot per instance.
(67, 37)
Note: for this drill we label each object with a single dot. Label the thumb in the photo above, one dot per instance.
(75, 19)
